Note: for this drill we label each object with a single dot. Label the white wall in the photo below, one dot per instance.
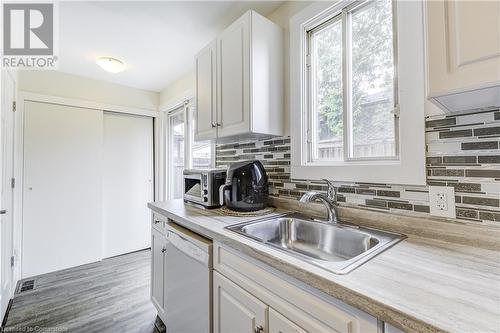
(281, 16)
(177, 91)
(72, 86)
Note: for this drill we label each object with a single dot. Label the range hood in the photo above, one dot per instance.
(483, 97)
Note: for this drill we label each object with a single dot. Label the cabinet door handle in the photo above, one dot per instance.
(258, 329)
(214, 125)
(163, 250)
(157, 221)
(219, 124)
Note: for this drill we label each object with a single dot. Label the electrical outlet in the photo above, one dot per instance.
(442, 201)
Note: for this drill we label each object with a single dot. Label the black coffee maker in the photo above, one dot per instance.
(246, 187)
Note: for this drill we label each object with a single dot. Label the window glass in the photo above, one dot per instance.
(201, 151)
(202, 154)
(351, 109)
(372, 81)
(177, 143)
(326, 89)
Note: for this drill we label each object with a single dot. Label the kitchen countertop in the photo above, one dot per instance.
(418, 285)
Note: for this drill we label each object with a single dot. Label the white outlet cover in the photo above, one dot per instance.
(436, 200)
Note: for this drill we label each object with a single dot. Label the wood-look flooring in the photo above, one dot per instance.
(112, 295)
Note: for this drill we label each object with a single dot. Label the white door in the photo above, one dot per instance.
(127, 183)
(6, 202)
(205, 98)
(234, 78)
(62, 194)
(235, 310)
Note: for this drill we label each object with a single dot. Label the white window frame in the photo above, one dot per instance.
(409, 165)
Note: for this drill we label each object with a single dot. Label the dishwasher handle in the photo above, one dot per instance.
(190, 249)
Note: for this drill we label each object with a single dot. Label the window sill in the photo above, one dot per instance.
(395, 173)
(346, 164)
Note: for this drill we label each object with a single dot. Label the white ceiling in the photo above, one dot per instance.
(156, 40)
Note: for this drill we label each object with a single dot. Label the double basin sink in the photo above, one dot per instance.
(338, 248)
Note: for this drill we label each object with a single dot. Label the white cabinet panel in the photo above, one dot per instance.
(233, 81)
(472, 42)
(62, 207)
(235, 310)
(280, 324)
(463, 44)
(391, 329)
(205, 95)
(127, 183)
(158, 248)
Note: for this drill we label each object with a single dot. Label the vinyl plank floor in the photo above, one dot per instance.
(108, 296)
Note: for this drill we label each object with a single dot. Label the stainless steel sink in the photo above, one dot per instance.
(338, 248)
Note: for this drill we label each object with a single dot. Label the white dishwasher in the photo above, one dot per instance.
(188, 281)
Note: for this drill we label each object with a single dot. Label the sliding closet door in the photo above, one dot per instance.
(62, 193)
(127, 183)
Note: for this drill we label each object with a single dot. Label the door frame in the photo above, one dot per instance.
(12, 75)
(24, 96)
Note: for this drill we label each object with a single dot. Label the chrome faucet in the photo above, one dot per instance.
(329, 200)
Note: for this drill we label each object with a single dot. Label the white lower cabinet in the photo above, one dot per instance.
(249, 298)
(235, 310)
(280, 324)
(158, 247)
(391, 329)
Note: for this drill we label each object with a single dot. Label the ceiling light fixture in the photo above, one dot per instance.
(111, 65)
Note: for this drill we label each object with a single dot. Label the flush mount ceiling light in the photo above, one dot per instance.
(111, 65)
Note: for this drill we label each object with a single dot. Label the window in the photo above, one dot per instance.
(357, 82)
(182, 151)
(176, 153)
(201, 151)
(351, 75)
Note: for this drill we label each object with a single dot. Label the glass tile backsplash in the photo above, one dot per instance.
(462, 151)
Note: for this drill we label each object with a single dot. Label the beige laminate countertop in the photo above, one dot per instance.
(419, 285)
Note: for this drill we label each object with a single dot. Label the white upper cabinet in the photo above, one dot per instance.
(463, 45)
(234, 78)
(248, 83)
(205, 92)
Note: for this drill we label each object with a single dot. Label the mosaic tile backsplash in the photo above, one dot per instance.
(462, 151)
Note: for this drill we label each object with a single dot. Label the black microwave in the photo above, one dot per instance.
(201, 186)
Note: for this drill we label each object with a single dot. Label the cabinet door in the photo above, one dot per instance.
(158, 245)
(463, 44)
(279, 324)
(391, 329)
(233, 53)
(205, 94)
(235, 310)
